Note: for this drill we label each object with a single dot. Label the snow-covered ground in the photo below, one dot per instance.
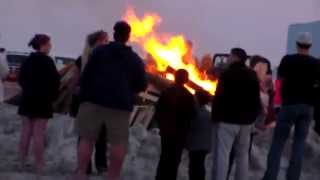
(143, 155)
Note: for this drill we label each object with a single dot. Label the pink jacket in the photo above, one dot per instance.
(277, 97)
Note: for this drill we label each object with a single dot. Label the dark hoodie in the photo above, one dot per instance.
(113, 76)
(237, 99)
(174, 111)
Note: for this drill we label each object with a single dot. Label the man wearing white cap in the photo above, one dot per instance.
(4, 71)
(298, 75)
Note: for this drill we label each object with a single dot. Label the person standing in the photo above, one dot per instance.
(174, 111)
(199, 137)
(235, 108)
(261, 66)
(296, 110)
(4, 71)
(93, 41)
(112, 78)
(40, 83)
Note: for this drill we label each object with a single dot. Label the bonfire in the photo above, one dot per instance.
(165, 51)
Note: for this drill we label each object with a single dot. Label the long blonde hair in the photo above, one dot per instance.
(85, 55)
(91, 43)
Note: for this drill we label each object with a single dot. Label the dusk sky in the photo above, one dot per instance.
(259, 26)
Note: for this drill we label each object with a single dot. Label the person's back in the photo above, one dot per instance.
(200, 130)
(174, 110)
(298, 75)
(199, 137)
(235, 107)
(112, 78)
(114, 74)
(40, 82)
(38, 77)
(237, 99)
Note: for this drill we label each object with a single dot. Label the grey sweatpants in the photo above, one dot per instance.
(224, 136)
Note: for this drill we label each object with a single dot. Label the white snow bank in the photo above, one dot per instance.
(141, 162)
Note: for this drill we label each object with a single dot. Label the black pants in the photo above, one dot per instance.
(171, 152)
(197, 169)
(75, 104)
(101, 151)
(100, 155)
(317, 119)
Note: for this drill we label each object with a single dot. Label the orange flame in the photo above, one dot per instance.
(141, 28)
(170, 77)
(165, 50)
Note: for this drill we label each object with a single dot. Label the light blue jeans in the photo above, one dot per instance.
(224, 137)
(297, 116)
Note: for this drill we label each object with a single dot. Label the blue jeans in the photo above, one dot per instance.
(298, 116)
(224, 137)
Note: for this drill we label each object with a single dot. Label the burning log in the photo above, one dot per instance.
(161, 83)
(158, 81)
(190, 84)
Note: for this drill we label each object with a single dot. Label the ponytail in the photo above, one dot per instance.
(38, 40)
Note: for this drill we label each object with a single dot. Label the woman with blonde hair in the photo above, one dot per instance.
(93, 40)
(68, 100)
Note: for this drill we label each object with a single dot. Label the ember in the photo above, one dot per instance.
(165, 50)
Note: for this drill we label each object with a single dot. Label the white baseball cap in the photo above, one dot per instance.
(304, 38)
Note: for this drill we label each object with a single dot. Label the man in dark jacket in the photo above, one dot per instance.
(114, 75)
(298, 74)
(235, 107)
(174, 111)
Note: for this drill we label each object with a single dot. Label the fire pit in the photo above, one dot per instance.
(165, 53)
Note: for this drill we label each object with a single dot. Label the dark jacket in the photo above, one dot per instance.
(113, 76)
(40, 81)
(317, 127)
(174, 111)
(317, 100)
(237, 98)
(298, 74)
(75, 103)
(199, 137)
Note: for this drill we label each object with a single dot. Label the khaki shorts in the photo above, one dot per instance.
(92, 117)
